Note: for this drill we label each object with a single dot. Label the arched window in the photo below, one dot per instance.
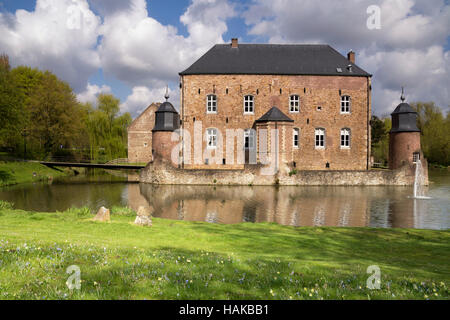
(345, 138)
(211, 138)
(320, 138)
(296, 137)
(249, 107)
(345, 104)
(294, 103)
(211, 103)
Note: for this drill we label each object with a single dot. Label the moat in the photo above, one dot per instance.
(375, 206)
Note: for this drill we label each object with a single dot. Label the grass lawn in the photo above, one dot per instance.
(21, 172)
(196, 260)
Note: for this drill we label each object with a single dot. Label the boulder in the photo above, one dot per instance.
(143, 217)
(102, 215)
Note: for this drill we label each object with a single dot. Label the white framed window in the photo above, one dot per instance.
(249, 138)
(211, 138)
(296, 137)
(249, 107)
(294, 103)
(345, 104)
(416, 157)
(211, 103)
(320, 138)
(345, 138)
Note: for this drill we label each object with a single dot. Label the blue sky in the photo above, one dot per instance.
(133, 48)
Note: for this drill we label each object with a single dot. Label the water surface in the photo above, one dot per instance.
(380, 206)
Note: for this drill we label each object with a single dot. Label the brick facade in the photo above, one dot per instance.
(402, 146)
(275, 90)
(140, 136)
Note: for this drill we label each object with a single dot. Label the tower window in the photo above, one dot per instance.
(320, 138)
(211, 138)
(211, 103)
(345, 104)
(294, 103)
(416, 157)
(249, 107)
(345, 138)
(295, 137)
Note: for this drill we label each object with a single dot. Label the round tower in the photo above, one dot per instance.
(404, 137)
(167, 120)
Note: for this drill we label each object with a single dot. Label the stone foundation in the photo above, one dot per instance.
(162, 172)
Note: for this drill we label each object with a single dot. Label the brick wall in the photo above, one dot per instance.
(140, 136)
(314, 91)
(402, 145)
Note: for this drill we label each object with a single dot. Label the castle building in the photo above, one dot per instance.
(317, 100)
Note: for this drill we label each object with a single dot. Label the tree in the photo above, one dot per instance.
(435, 132)
(107, 130)
(380, 139)
(10, 103)
(55, 113)
(378, 130)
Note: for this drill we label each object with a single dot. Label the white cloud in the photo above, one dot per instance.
(91, 93)
(407, 50)
(60, 35)
(139, 50)
(142, 97)
(424, 73)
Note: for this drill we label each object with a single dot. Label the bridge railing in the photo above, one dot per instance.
(119, 161)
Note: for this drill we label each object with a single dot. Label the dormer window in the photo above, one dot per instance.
(249, 107)
(211, 103)
(345, 104)
(294, 104)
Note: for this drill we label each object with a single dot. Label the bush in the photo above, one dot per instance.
(5, 205)
(80, 212)
(122, 211)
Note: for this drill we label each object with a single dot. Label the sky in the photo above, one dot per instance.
(134, 48)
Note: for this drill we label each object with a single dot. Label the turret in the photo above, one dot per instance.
(404, 137)
(167, 120)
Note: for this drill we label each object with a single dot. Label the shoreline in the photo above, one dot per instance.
(16, 172)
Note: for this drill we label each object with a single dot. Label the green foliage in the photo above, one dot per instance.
(123, 211)
(10, 103)
(107, 130)
(380, 139)
(293, 172)
(435, 132)
(54, 111)
(40, 112)
(5, 205)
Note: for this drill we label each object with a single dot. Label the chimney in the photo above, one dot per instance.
(234, 43)
(351, 56)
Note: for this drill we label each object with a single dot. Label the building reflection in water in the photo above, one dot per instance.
(295, 206)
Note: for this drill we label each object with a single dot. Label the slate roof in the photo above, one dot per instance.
(274, 114)
(403, 108)
(274, 59)
(166, 107)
